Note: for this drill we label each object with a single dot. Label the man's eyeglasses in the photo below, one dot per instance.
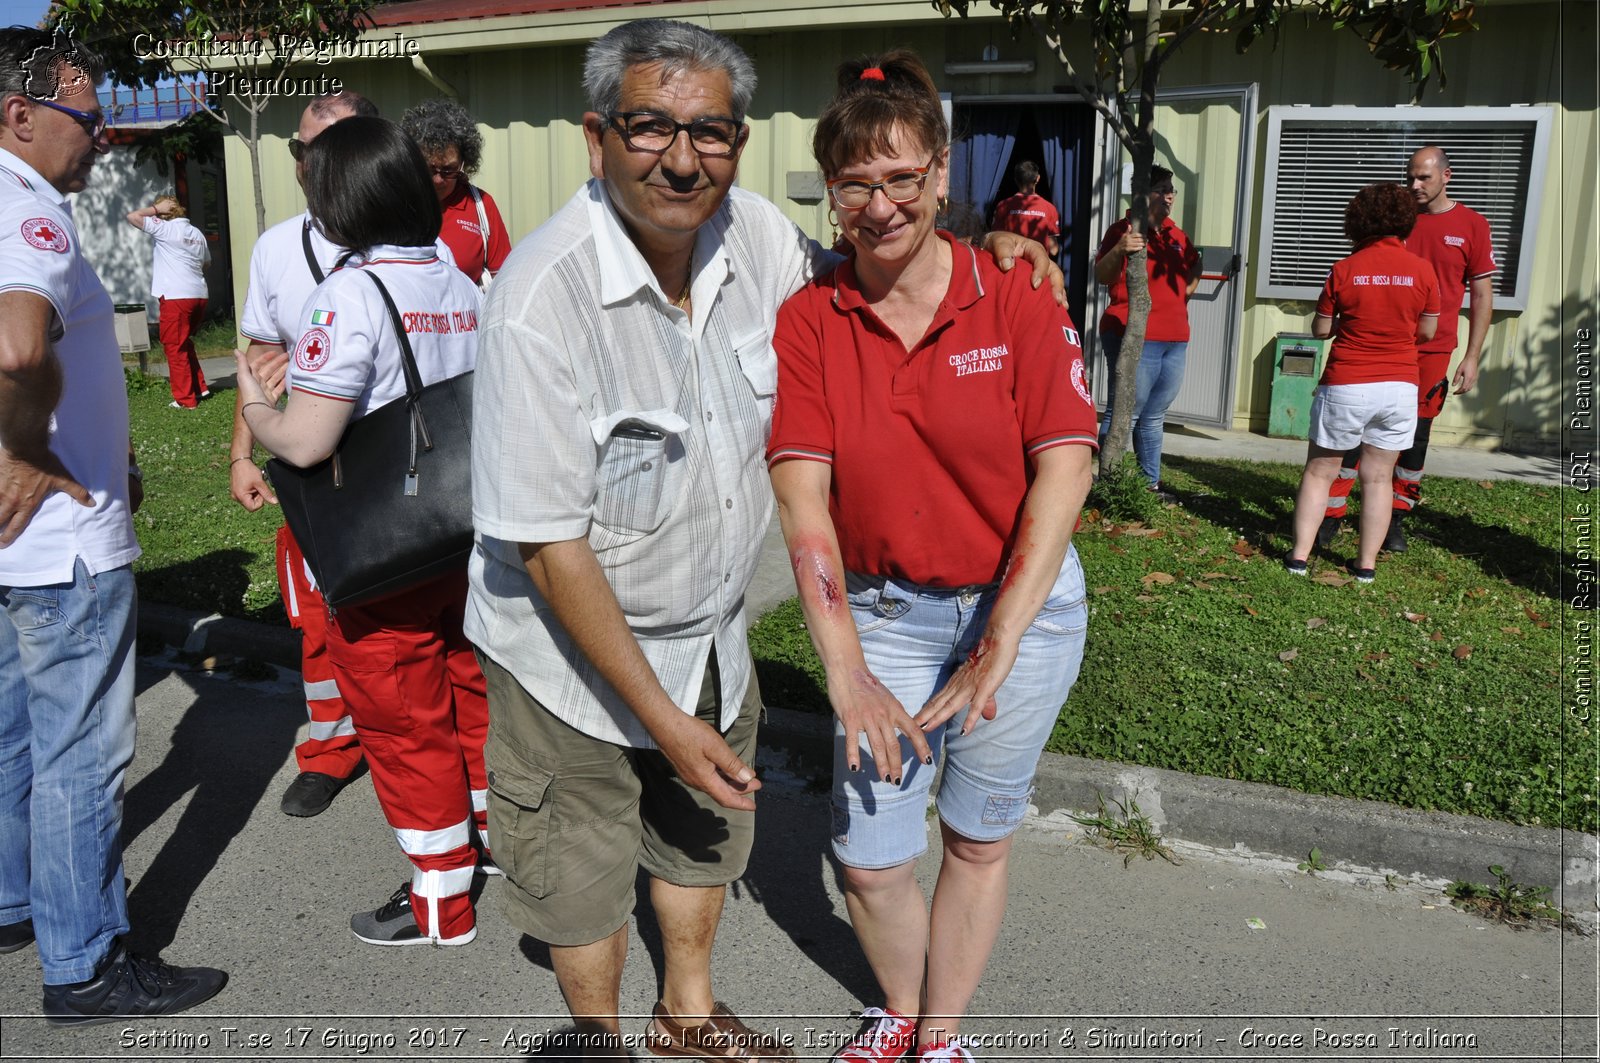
(652, 132)
(902, 187)
(445, 173)
(90, 122)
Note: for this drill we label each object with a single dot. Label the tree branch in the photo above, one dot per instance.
(1088, 90)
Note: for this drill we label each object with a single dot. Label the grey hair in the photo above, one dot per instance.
(439, 124)
(346, 103)
(677, 46)
(31, 62)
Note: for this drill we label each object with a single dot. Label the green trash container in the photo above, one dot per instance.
(1296, 365)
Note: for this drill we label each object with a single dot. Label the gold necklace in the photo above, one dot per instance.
(683, 297)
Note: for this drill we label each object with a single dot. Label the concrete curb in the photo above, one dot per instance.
(1251, 819)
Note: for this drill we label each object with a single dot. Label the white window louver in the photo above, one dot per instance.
(1318, 157)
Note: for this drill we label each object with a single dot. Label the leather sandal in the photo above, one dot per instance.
(723, 1036)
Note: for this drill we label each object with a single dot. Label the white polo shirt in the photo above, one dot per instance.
(40, 253)
(180, 254)
(281, 279)
(348, 348)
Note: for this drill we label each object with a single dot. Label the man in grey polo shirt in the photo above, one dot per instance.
(624, 393)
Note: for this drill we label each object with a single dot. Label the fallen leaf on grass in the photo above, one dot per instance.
(1415, 618)
(1331, 579)
(1364, 674)
(1531, 614)
(1487, 485)
(1437, 636)
(1288, 655)
(1155, 577)
(1512, 630)
(1152, 533)
(1091, 516)
(1244, 549)
(1477, 592)
(1119, 551)
(1104, 590)
(1379, 656)
(1145, 598)
(1251, 611)
(1220, 575)
(1461, 652)
(1423, 666)
(1202, 585)
(1314, 623)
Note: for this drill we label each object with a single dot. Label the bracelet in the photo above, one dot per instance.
(248, 457)
(256, 402)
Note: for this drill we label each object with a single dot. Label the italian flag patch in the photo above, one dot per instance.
(322, 317)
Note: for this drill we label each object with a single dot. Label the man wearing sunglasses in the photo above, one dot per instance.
(68, 490)
(622, 403)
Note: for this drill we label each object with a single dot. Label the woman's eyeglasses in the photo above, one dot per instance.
(902, 187)
(93, 123)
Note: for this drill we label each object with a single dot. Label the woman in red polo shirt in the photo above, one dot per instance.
(452, 146)
(1377, 305)
(930, 451)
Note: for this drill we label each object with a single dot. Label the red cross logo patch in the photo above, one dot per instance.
(312, 352)
(1079, 383)
(45, 234)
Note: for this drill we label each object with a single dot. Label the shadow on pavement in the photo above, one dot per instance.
(224, 754)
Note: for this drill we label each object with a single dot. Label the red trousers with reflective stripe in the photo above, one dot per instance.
(1407, 477)
(180, 320)
(332, 747)
(417, 697)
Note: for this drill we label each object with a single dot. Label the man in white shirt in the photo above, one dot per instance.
(178, 281)
(68, 489)
(622, 402)
(288, 262)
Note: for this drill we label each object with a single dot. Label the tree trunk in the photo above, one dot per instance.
(1142, 152)
(253, 145)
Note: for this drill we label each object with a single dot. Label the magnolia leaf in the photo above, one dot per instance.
(1487, 485)
(1251, 611)
(1314, 623)
(1437, 636)
(1244, 549)
(1510, 630)
(1461, 652)
(1379, 656)
(1415, 618)
(1288, 655)
(1104, 590)
(1331, 579)
(1150, 578)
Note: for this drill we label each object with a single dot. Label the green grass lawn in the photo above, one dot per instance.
(1437, 687)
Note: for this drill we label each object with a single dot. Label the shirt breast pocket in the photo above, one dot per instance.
(641, 463)
(759, 364)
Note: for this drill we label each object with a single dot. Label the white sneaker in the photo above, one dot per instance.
(947, 1052)
(885, 1037)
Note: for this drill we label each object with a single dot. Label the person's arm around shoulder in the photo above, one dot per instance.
(1008, 247)
(30, 388)
(862, 703)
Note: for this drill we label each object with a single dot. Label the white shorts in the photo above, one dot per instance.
(1383, 414)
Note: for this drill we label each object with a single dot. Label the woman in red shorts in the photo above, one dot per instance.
(1377, 304)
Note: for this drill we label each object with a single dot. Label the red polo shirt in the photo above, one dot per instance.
(930, 449)
(1378, 295)
(1032, 216)
(462, 234)
(1456, 243)
(1169, 259)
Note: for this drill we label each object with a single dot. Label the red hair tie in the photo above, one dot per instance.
(872, 73)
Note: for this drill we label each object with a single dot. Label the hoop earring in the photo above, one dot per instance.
(833, 223)
(943, 203)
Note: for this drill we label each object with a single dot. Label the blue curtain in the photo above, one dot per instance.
(1066, 133)
(978, 160)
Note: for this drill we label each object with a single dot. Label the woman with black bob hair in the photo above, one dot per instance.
(408, 675)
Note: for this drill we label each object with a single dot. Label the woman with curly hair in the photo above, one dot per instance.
(1377, 304)
(453, 148)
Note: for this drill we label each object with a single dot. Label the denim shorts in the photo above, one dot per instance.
(914, 638)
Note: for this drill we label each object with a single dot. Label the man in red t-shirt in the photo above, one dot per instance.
(1027, 213)
(1454, 238)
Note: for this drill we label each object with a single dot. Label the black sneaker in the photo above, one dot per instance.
(14, 936)
(394, 924)
(1328, 530)
(1395, 541)
(1294, 566)
(128, 985)
(310, 794)
(1362, 575)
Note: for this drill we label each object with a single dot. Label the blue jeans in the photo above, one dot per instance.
(914, 639)
(66, 739)
(1160, 377)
